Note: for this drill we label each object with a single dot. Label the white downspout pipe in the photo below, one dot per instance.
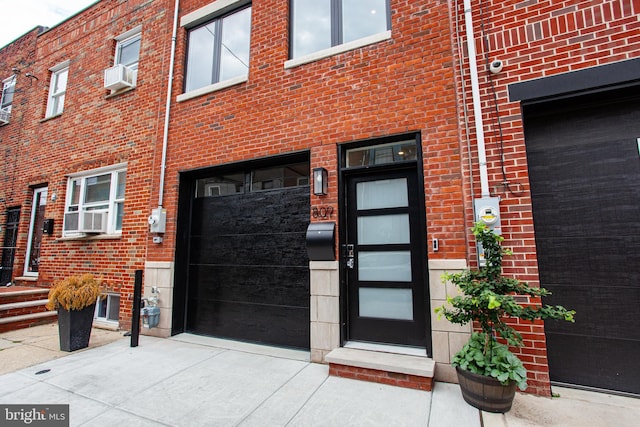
(475, 94)
(165, 135)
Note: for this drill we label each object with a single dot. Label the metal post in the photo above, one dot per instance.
(135, 316)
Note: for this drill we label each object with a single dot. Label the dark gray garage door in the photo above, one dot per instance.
(584, 163)
(248, 267)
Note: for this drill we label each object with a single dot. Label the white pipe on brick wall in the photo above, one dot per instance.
(475, 94)
(167, 111)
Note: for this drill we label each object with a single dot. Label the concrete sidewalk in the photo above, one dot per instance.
(190, 380)
(195, 381)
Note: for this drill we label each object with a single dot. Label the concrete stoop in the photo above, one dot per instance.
(400, 370)
(24, 307)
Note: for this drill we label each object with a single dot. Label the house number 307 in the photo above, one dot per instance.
(322, 211)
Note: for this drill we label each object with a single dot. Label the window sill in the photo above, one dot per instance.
(365, 41)
(119, 92)
(46, 119)
(106, 324)
(212, 88)
(90, 237)
(26, 278)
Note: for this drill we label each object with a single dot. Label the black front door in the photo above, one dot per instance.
(9, 247)
(384, 259)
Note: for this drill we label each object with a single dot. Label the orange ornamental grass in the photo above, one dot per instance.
(75, 292)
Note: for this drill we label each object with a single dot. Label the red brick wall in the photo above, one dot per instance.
(20, 55)
(94, 130)
(404, 84)
(534, 39)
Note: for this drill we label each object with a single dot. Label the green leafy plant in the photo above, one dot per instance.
(74, 292)
(489, 298)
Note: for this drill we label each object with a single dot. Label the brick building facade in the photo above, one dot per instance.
(264, 93)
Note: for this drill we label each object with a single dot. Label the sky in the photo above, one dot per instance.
(20, 16)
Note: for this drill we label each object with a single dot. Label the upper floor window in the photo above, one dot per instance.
(128, 50)
(322, 24)
(218, 50)
(57, 89)
(8, 88)
(95, 201)
(124, 73)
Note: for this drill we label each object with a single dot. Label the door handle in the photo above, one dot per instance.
(350, 257)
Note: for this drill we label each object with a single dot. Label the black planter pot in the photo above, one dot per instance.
(485, 393)
(74, 327)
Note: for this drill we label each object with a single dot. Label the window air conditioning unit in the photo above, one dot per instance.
(90, 222)
(4, 116)
(119, 77)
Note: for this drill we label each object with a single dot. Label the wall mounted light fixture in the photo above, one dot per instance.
(320, 181)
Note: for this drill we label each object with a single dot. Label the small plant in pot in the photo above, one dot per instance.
(488, 371)
(75, 299)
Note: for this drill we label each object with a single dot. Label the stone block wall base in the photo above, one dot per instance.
(382, 377)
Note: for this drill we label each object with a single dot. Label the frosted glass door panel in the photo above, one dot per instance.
(389, 266)
(383, 229)
(385, 193)
(386, 303)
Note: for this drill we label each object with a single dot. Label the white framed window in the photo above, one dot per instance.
(124, 72)
(8, 89)
(320, 27)
(95, 202)
(128, 49)
(108, 308)
(57, 89)
(218, 49)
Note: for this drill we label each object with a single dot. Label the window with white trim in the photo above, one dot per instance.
(218, 50)
(57, 89)
(108, 308)
(95, 202)
(8, 88)
(128, 50)
(321, 24)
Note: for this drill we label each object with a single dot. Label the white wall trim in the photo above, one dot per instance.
(212, 88)
(447, 264)
(208, 11)
(375, 38)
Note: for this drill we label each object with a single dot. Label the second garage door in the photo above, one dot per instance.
(584, 163)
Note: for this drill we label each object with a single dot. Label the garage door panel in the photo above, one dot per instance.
(594, 370)
(579, 196)
(596, 216)
(275, 286)
(604, 122)
(260, 323)
(250, 249)
(251, 212)
(594, 307)
(589, 261)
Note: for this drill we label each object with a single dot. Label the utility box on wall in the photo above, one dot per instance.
(150, 317)
(321, 241)
(158, 220)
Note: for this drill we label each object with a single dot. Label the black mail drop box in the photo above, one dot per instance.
(321, 241)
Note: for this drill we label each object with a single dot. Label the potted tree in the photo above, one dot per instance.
(75, 299)
(488, 372)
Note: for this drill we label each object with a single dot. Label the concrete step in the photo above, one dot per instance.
(381, 367)
(27, 320)
(20, 294)
(23, 307)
